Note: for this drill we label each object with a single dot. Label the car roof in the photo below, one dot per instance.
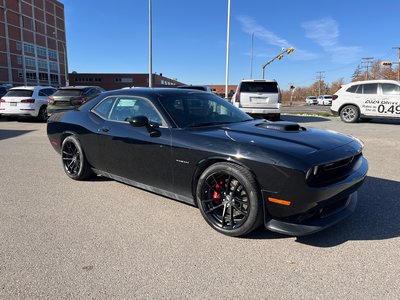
(32, 87)
(258, 80)
(373, 81)
(77, 87)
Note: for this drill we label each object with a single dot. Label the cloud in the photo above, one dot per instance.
(325, 32)
(250, 26)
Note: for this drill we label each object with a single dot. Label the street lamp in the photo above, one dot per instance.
(279, 56)
(227, 50)
(65, 65)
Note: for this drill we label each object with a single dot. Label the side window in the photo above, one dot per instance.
(359, 89)
(87, 93)
(104, 107)
(42, 93)
(127, 108)
(370, 88)
(352, 89)
(390, 89)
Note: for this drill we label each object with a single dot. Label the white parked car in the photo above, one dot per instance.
(259, 97)
(325, 100)
(311, 100)
(26, 101)
(366, 100)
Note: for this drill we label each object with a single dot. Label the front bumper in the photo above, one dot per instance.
(318, 222)
(312, 209)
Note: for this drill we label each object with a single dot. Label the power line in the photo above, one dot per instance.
(366, 63)
(398, 67)
(320, 77)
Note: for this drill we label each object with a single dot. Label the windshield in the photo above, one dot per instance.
(68, 92)
(259, 87)
(19, 93)
(201, 109)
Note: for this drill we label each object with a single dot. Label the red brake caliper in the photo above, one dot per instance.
(217, 193)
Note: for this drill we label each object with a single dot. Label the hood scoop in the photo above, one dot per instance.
(282, 126)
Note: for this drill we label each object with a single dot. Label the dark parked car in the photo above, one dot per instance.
(198, 148)
(70, 97)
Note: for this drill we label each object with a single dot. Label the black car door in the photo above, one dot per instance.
(130, 152)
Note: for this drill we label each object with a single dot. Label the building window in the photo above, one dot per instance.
(41, 51)
(124, 80)
(19, 60)
(54, 77)
(31, 75)
(18, 46)
(53, 66)
(42, 64)
(29, 48)
(43, 76)
(53, 54)
(30, 62)
(20, 75)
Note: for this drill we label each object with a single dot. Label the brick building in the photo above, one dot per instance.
(117, 81)
(219, 89)
(32, 42)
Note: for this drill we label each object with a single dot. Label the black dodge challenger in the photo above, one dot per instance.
(198, 148)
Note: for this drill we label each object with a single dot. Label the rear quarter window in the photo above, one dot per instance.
(259, 87)
(19, 93)
(370, 88)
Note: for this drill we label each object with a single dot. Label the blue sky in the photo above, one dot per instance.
(189, 37)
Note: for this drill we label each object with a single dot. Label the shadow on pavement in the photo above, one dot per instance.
(303, 119)
(377, 217)
(8, 134)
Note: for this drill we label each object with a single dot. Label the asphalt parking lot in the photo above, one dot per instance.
(102, 239)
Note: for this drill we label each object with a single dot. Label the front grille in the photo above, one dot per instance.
(333, 172)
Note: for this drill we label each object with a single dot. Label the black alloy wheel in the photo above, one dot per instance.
(228, 199)
(73, 159)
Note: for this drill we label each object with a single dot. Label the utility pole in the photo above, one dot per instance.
(251, 60)
(367, 61)
(320, 76)
(228, 34)
(398, 66)
(150, 46)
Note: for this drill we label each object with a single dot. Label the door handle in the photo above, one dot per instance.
(105, 129)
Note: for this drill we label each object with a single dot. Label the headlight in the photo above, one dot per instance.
(312, 171)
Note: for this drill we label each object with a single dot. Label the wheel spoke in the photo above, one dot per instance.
(239, 210)
(67, 158)
(214, 208)
(220, 185)
(211, 187)
(231, 215)
(223, 216)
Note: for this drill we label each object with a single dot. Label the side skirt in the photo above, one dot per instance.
(146, 187)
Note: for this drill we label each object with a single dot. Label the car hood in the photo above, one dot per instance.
(272, 139)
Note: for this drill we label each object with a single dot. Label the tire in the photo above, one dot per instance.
(228, 199)
(42, 115)
(73, 159)
(350, 114)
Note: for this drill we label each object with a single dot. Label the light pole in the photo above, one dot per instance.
(150, 46)
(251, 60)
(227, 50)
(65, 65)
(279, 56)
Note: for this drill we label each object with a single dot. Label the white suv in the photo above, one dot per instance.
(325, 100)
(259, 97)
(366, 100)
(26, 101)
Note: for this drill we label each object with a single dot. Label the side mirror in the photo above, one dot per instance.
(141, 121)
